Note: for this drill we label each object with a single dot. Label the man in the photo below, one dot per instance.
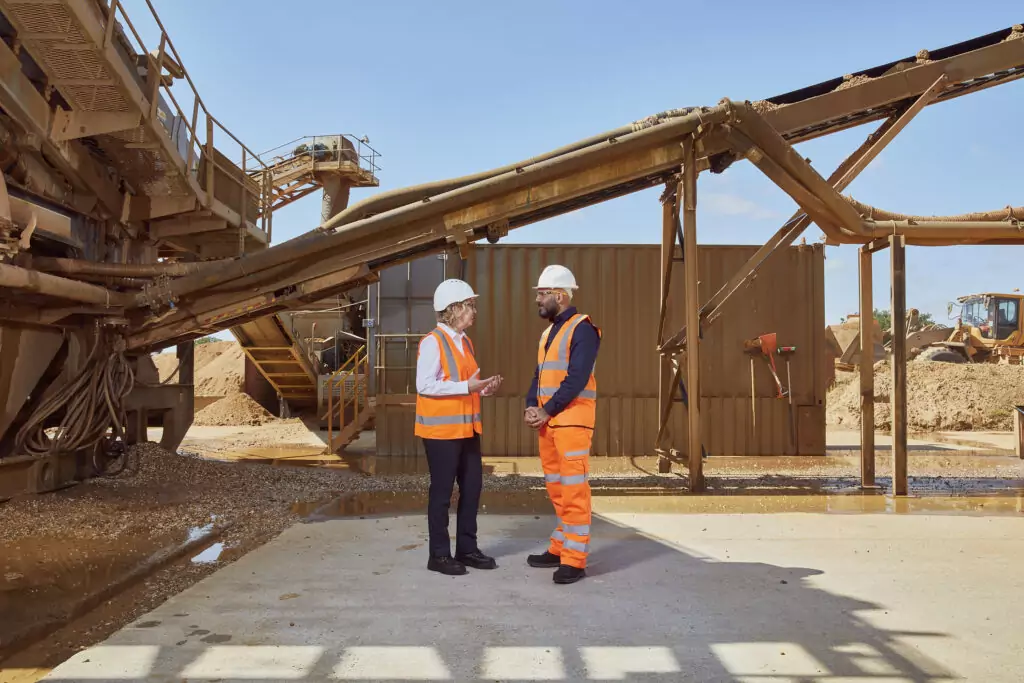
(448, 391)
(561, 405)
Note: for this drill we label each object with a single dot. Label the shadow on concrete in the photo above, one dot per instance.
(650, 610)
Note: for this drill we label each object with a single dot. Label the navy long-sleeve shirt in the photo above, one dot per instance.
(582, 355)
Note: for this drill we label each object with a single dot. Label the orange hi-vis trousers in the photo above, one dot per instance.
(565, 458)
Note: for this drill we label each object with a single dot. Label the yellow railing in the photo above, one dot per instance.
(350, 394)
(250, 173)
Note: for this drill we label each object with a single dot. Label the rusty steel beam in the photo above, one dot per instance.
(867, 371)
(898, 396)
(687, 197)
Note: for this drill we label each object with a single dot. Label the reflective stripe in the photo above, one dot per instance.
(447, 420)
(551, 478)
(449, 354)
(579, 529)
(575, 545)
(563, 345)
(557, 535)
(574, 479)
(587, 393)
(576, 454)
(555, 365)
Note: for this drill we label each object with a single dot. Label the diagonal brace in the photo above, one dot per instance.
(841, 178)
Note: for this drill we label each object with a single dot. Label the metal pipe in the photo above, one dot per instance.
(873, 213)
(973, 231)
(51, 285)
(392, 199)
(67, 266)
(321, 245)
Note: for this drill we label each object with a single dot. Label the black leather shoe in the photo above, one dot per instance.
(567, 574)
(446, 565)
(546, 560)
(476, 560)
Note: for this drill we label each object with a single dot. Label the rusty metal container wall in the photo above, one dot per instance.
(619, 288)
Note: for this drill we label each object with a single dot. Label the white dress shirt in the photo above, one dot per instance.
(429, 372)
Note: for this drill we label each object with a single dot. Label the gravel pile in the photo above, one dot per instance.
(850, 81)
(234, 409)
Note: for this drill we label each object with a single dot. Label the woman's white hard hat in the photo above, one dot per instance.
(451, 292)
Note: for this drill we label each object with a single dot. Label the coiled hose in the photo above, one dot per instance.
(92, 403)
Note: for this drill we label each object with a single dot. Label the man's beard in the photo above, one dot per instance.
(547, 311)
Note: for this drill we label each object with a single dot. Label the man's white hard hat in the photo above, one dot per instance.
(452, 292)
(556, 277)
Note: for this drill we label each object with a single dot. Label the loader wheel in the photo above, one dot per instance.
(941, 355)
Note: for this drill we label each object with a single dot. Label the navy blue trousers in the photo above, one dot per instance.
(450, 461)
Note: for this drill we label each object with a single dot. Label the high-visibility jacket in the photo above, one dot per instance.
(553, 367)
(450, 417)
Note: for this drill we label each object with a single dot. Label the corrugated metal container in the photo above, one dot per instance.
(619, 288)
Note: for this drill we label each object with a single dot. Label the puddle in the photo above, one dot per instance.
(43, 577)
(642, 500)
(210, 555)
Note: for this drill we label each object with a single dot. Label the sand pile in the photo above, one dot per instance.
(940, 397)
(219, 368)
(235, 409)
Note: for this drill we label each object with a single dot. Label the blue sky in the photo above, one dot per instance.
(448, 88)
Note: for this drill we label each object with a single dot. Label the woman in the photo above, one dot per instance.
(448, 390)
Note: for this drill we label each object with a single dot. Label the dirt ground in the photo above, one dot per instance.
(940, 397)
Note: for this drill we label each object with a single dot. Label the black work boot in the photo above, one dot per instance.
(547, 560)
(446, 565)
(476, 560)
(567, 574)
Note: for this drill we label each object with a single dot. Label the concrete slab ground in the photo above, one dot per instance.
(930, 596)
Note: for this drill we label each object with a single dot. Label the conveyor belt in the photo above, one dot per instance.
(314, 265)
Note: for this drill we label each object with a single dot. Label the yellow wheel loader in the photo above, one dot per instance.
(988, 330)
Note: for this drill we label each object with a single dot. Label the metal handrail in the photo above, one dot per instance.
(262, 194)
(366, 155)
(380, 367)
(360, 359)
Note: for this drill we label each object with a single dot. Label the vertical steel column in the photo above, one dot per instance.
(689, 205)
(867, 373)
(667, 385)
(898, 398)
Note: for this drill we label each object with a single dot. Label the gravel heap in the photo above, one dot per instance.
(234, 409)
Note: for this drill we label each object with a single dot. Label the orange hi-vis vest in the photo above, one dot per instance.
(450, 417)
(553, 366)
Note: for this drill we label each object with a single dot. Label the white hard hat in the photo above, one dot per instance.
(556, 277)
(450, 292)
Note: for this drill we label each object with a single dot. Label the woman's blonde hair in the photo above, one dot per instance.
(449, 315)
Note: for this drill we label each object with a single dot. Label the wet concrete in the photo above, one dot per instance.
(668, 597)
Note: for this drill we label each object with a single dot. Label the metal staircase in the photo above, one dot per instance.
(350, 410)
(282, 361)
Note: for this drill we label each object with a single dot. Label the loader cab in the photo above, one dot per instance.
(996, 317)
